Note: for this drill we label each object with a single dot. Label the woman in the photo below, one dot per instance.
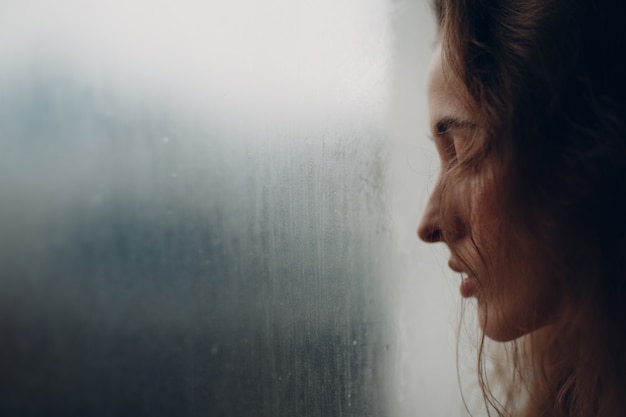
(527, 103)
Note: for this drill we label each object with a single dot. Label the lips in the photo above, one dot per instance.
(469, 286)
(469, 283)
(453, 265)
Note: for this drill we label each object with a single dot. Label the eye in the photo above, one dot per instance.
(442, 127)
(454, 137)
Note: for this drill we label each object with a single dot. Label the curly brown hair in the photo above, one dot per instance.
(549, 88)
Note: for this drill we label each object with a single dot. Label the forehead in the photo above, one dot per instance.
(447, 96)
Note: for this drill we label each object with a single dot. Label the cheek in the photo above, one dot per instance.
(519, 292)
(485, 220)
(469, 218)
(493, 240)
(491, 245)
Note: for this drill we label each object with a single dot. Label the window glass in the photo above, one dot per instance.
(205, 208)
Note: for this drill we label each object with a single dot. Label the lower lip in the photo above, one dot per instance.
(469, 286)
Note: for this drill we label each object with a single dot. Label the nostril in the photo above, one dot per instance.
(436, 236)
(433, 235)
(430, 233)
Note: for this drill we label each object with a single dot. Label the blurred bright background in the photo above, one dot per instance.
(209, 209)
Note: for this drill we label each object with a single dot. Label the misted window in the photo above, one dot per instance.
(207, 209)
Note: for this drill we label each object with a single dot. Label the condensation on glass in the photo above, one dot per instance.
(196, 217)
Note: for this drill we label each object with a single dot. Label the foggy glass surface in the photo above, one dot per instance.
(200, 211)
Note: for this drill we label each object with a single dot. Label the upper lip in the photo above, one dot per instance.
(453, 264)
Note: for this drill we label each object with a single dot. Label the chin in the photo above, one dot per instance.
(502, 329)
(502, 335)
(507, 323)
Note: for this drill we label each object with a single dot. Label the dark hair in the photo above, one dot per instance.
(549, 87)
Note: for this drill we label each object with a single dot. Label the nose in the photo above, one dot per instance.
(429, 228)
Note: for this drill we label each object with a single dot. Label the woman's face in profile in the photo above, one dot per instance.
(514, 289)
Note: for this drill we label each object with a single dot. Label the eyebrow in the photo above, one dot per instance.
(447, 123)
